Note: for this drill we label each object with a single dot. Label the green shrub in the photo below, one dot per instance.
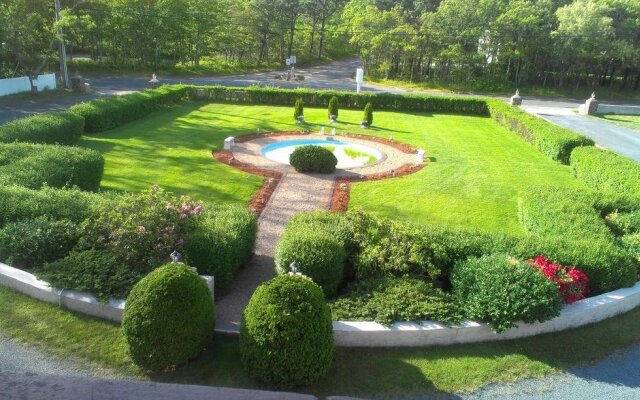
(552, 140)
(624, 223)
(141, 229)
(320, 256)
(98, 272)
(286, 336)
(607, 266)
(554, 211)
(33, 242)
(605, 170)
(347, 100)
(108, 113)
(168, 318)
(221, 242)
(368, 114)
(501, 291)
(19, 203)
(50, 128)
(332, 108)
(298, 109)
(313, 158)
(630, 243)
(388, 300)
(36, 165)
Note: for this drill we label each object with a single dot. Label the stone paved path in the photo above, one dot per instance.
(296, 193)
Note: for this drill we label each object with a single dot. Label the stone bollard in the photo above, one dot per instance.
(229, 142)
(420, 156)
(516, 99)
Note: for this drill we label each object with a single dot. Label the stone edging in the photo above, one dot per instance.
(84, 303)
(356, 333)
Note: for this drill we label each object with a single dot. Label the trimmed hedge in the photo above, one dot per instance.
(321, 257)
(50, 128)
(347, 100)
(168, 318)
(98, 272)
(388, 300)
(223, 239)
(37, 165)
(552, 140)
(108, 113)
(368, 114)
(33, 242)
(608, 266)
(313, 158)
(606, 170)
(19, 203)
(501, 291)
(286, 335)
(332, 107)
(554, 211)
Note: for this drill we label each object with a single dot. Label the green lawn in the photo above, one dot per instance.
(476, 171)
(631, 121)
(356, 371)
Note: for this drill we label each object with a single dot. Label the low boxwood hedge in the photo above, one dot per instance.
(221, 242)
(32, 242)
(502, 290)
(50, 128)
(320, 256)
(110, 112)
(554, 141)
(605, 170)
(37, 165)
(168, 318)
(19, 203)
(286, 335)
(313, 158)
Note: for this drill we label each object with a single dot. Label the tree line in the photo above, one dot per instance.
(560, 43)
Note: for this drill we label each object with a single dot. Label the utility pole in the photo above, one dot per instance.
(64, 74)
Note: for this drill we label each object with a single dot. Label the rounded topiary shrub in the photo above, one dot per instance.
(368, 114)
(313, 159)
(168, 318)
(319, 255)
(502, 290)
(286, 336)
(332, 108)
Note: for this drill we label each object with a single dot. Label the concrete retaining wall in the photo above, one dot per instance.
(612, 109)
(429, 333)
(21, 84)
(84, 303)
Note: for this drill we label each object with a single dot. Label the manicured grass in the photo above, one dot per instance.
(631, 121)
(356, 371)
(476, 171)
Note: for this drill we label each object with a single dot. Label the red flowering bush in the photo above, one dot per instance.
(572, 283)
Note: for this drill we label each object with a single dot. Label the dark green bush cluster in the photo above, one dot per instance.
(19, 203)
(33, 242)
(501, 291)
(168, 318)
(98, 272)
(368, 114)
(555, 211)
(332, 108)
(37, 165)
(347, 100)
(552, 140)
(286, 336)
(319, 255)
(298, 110)
(389, 299)
(108, 113)
(221, 241)
(313, 158)
(51, 128)
(605, 170)
(624, 223)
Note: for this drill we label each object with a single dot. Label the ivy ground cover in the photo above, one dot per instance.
(475, 172)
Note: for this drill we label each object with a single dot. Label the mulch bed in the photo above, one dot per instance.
(271, 181)
(342, 186)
